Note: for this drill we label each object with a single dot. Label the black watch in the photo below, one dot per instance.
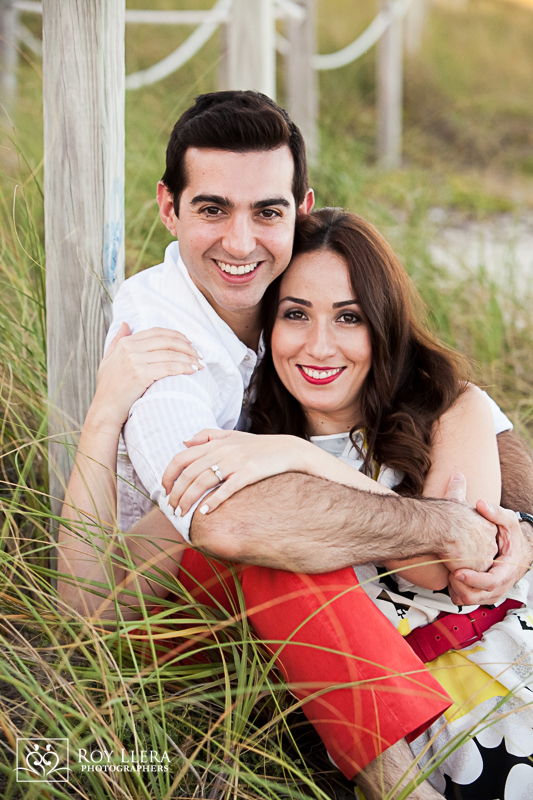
(524, 517)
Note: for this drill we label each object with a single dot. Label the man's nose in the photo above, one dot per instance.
(320, 342)
(239, 240)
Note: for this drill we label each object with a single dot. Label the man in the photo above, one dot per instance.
(236, 178)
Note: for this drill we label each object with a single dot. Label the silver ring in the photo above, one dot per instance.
(217, 472)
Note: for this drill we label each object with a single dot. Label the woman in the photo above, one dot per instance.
(348, 369)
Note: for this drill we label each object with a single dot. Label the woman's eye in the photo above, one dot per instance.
(350, 318)
(294, 313)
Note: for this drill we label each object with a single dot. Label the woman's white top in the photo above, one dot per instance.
(407, 606)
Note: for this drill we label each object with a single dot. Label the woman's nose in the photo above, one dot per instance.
(320, 342)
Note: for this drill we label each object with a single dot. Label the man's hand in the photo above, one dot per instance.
(468, 587)
(474, 546)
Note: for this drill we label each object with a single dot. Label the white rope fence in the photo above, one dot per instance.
(209, 20)
(219, 13)
(249, 61)
(365, 41)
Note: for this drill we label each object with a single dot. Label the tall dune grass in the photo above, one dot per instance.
(228, 722)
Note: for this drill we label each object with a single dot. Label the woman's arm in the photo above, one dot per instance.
(464, 441)
(244, 459)
(131, 364)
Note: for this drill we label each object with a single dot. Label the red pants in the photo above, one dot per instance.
(368, 692)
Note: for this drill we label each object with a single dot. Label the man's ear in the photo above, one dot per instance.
(308, 202)
(165, 202)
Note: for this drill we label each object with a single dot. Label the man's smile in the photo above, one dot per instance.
(238, 273)
(320, 375)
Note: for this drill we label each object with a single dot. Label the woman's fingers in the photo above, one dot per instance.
(207, 435)
(196, 487)
(149, 341)
(169, 356)
(180, 462)
(150, 332)
(188, 476)
(223, 493)
(124, 330)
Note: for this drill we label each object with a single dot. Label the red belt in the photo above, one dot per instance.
(455, 631)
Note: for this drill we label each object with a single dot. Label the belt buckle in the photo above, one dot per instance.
(478, 633)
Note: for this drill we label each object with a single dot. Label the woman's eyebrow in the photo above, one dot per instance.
(345, 303)
(298, 300)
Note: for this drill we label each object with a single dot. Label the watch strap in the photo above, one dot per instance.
(523, 516)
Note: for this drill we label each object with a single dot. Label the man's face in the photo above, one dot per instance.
(236, 223)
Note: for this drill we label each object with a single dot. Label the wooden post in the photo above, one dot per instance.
(389, 93)
(223, 63)
(83, 88)
(301, 77)
(252, 46)
(8, 53)
(414, 26)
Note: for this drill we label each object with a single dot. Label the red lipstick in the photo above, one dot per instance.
(320, 381)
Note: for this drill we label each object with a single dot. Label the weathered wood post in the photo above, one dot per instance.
(83, 68)
(252, 46)
(415, 21)
(223, 63)
(389, 92)
(301, 77)
(8, 53)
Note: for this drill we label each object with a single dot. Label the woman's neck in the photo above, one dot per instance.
(320, 423)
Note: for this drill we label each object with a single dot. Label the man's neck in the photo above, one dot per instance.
(245, 323)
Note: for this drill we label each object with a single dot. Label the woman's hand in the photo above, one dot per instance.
(132, 363)
(241, 459)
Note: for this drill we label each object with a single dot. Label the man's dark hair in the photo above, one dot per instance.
(237, 121)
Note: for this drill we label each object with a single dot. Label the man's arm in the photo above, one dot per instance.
(517, 477)
(301, 523)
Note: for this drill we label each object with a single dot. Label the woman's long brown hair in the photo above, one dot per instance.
(414, 378)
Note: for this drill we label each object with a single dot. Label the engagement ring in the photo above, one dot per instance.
(217, 472)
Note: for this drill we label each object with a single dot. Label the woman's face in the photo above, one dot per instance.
(320, 342)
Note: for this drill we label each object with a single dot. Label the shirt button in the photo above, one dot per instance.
(246, 357)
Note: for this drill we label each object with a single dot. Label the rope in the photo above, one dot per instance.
(368, 38)
(183, 53)
(210, 20)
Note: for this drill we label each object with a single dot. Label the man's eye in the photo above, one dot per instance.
(269, 213)
(212, 211)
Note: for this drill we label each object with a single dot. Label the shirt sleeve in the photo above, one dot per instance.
(501, 421)
(124, 310)
(171, 411)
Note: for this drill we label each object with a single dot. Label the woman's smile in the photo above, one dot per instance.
(320, 375)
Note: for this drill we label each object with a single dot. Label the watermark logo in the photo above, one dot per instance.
(40, 760)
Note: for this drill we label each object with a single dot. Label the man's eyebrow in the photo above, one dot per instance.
(211, 198)
(345, 303)
(298, 300)
(272, 201)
